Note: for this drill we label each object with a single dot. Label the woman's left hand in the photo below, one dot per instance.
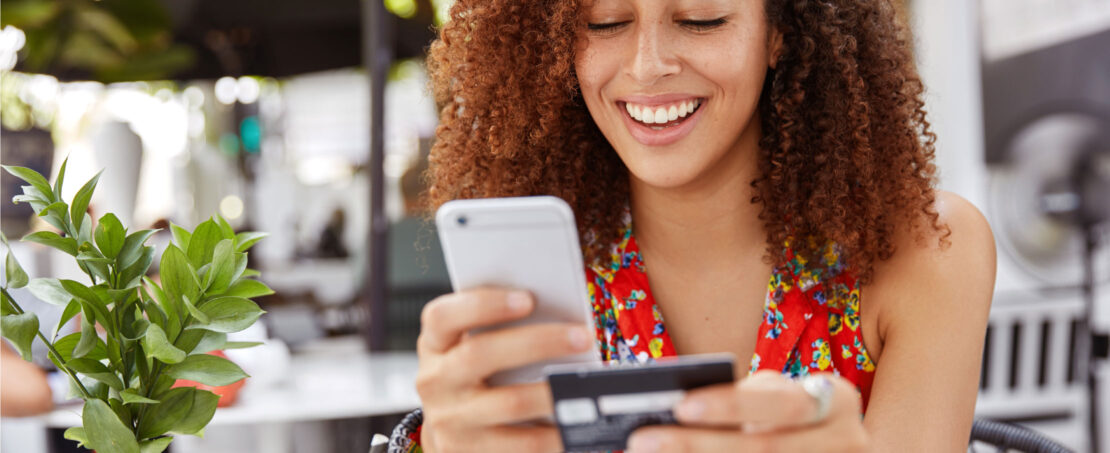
(764, 412)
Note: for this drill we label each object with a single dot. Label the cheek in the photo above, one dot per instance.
(593, 72)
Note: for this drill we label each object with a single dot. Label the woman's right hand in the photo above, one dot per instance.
(461, 412)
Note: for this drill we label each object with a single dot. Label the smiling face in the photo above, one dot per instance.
(674, 84)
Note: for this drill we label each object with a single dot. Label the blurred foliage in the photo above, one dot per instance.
(110, 41)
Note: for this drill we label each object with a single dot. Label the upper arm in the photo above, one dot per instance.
(933, 301)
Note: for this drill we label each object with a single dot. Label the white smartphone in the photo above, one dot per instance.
(528, 243)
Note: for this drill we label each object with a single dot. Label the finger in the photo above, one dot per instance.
(483, 354)
(445, 319)
(713, 405)
(542, 439)
(765, 400)
(691, 439)
(509, 404)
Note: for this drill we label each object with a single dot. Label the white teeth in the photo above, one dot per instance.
(661, 115)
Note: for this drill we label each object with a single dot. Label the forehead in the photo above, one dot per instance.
(590, 4)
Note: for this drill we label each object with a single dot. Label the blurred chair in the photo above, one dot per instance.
(1030, 371)
(417, 274)
(1008, 437)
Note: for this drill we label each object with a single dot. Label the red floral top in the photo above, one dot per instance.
(811, 319)
(811, 316)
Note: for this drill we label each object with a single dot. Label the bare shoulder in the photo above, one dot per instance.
(938, 275)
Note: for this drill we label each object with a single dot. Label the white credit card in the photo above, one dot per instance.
(598, 406)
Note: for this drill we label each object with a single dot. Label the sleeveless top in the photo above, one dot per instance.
(811, 321)
(811, 315)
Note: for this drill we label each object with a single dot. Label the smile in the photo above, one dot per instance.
(665, 121)
(662, 116)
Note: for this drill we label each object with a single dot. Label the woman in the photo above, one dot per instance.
(709, 147)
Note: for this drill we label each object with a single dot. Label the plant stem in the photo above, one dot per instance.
(50, 346)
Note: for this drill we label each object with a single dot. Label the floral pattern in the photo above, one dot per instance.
(811, 310)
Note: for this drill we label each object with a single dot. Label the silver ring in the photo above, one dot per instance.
(821, 389)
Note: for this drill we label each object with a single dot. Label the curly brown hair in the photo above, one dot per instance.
(846, 154)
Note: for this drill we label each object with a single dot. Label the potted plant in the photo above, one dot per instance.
(154, 333)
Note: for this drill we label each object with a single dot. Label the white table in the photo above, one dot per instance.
(322, 385)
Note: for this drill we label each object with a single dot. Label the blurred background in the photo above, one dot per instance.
(312, 121)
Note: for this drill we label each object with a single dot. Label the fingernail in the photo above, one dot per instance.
(690, 410)
(519, 302)
(578, 338)
(643, 443)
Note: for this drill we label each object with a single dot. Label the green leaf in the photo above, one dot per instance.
(181, 236)
(80, 202)
(21, 331)
(248, 288)
(49, 290)
(223, 265)
(157, 346)
(162, 417)
(178, 279)
(13, 272)
(122, 411)
(203, 242)
(211, 341)
(240, 266)
(60, 178)
(88, 340)
(71, 310)
(203, 318)
(207, 369)
(56, 214)
(138, 268)
(7, 306)
(229, 314)
(110, 235)
(96, 370)
(133, 248)
(131, 396)
(154, 313)
(52, 239)
(201, 412)
(225, 228)
(155, 445)
(77, 434)
(32, 177)
(84, 233)
(246, 239)
(89, 301)
(241, 344)
(68, 343)
(106, 433)
(138, 330)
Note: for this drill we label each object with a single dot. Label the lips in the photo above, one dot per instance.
(661, 120)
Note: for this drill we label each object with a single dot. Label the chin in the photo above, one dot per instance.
(664, 172)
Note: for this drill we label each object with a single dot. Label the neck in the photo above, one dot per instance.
(709, 219)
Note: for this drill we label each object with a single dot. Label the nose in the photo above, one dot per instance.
(654, 57)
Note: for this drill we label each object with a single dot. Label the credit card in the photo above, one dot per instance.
(598, 406)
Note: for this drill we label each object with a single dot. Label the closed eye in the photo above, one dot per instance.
(703, 25)
(605, 27)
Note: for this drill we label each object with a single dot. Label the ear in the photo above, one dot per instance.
(774, 47)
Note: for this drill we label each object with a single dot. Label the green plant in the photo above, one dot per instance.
(154, 333)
